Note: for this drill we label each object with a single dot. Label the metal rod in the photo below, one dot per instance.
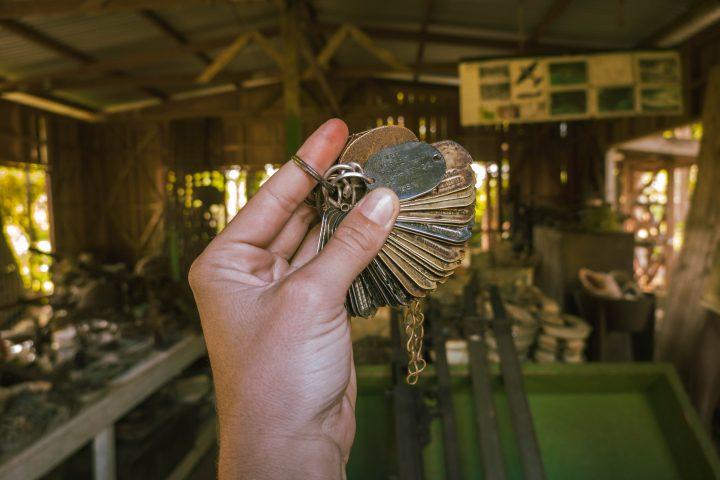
(451, 449)
(520, 413)
(407, 440)
(485, 414)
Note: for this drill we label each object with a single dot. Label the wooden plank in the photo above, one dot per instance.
(104, 455)
(522, 420)
(382, 54)
(224, 58)
(268, 47)
(124, 393)
(480, 39)
(333, 43)
(52, 106)
(486, 423)
(684, 315)
(309, 57)
(704, 9)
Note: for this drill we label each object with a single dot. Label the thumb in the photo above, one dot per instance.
(354, 244)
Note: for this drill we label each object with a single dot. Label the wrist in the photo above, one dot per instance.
(252, 452)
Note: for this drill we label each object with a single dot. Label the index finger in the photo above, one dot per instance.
(259, 222)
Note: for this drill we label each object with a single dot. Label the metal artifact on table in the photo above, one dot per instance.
(436, 188)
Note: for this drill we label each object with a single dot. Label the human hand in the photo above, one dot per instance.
(275, 325)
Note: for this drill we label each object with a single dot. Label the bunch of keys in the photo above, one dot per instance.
(436, 188)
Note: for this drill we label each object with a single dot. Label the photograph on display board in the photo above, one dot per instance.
(571, 87)
(661, 99)
(568, 102)
(495, 73)
(616, 99)
(658, 69)
(493, 92)
(568, 73)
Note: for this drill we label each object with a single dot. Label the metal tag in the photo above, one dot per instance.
(409, 169)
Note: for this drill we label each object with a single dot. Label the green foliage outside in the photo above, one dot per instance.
(26, 218)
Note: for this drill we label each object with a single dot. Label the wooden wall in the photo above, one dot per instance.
(18, 141)
(124, 176)
(108, 180)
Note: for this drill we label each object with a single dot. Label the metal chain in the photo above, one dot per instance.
(413, 319)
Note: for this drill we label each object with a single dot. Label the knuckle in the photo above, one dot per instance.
(198, 273)
(282, 199)
(354, 237)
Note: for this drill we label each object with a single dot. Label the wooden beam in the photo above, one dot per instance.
(268, 47)
(309, 57)
(224, 58)
(131, 60)
(688, 278)
(255, 76)
(382, 54)
(705, 9)
(46, 41)
(557, 8)
(28, 8)
(53, 106)
(168, 29)
(467, 40)
(332, 45)
(423, 34)
(148, 57)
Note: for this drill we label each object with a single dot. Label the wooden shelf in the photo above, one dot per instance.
(95, 420)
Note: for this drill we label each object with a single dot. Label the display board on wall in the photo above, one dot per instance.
(570, 87)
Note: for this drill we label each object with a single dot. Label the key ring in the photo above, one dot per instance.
(307, 168)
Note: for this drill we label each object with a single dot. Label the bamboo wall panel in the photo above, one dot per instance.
(125, 187)
(67, 176)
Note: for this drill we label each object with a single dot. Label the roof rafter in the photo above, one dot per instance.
(557, 8)
(469, 40)
(164, 26)
(47, 42)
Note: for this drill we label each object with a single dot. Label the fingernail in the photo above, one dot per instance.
(379, 206)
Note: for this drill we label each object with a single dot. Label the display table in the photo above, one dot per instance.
(593, 421)
(96, 421)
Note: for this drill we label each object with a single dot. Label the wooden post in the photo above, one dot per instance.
(685, 315)
(291, 77)
(104, 454)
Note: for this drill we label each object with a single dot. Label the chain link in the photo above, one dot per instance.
(413, 319)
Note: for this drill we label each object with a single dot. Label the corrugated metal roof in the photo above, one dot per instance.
(603, 23)
(625, 23)
(100, 35)
(20, 58)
